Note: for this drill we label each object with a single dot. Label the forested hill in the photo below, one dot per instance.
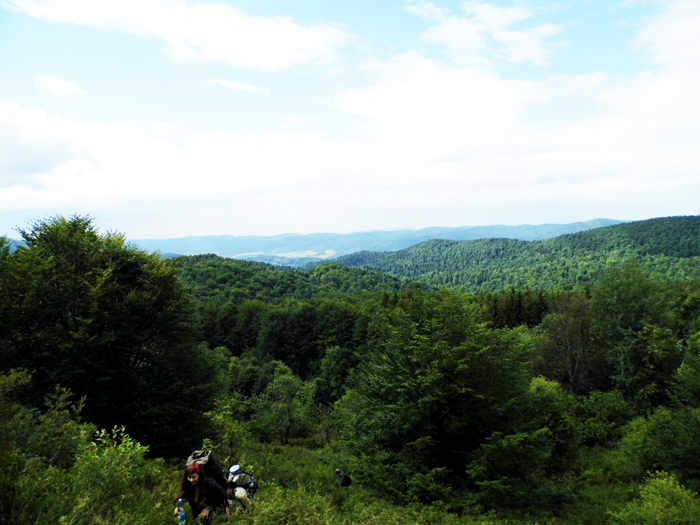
(526, 407)
(298, 250)
(230, 280)
(669, 247)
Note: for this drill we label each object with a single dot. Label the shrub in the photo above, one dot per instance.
(601, 417)
(663, 501)
(666, 441)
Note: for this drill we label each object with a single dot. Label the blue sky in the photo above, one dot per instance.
(167, 118)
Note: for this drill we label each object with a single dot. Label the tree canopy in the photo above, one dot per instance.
(110, 322)
(668, 247)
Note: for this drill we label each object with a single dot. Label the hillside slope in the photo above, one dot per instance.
(213, 277)
(670, 247)
(298, 250)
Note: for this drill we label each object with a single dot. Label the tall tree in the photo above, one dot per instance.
(433, 387)
(109, 322)
(564, 346)
(632, 328)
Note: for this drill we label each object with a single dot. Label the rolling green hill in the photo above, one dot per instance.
(214, 277)
(440, 406)
(298, 250)
(669, 247)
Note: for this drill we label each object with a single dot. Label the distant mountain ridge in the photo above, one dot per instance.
(668, 247)
(299, 250)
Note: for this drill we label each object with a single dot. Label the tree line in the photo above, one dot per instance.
(524, 405)
(667, 247)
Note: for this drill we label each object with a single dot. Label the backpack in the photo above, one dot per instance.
(212, 470)
(245, 480)
(241, 479)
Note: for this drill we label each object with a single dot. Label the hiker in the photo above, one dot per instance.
(343, 479)
(241, 485)
(202, 493)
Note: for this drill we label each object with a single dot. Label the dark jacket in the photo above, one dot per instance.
(215, 498)
(343, 480)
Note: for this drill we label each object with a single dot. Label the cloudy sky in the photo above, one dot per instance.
(167, 118)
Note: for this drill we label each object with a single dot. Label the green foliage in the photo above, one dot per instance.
(111, 323)
(669, 247)
(298, 486)
(300, 332)
(288, 335)
(625, 301)
(666, 441)
(633, 330)
(211, 277)
(517, 403)
(686, 388)
(55, 469)
(601, 417)
(549, 408)
(34, 445)
(109, 469)
(429, 393)
(564, 348)
(511, 308)
(276, 411)
(507, 470)
(333, 374)
(663, 501)
(229, 433)
(526, 467)
(261, 375)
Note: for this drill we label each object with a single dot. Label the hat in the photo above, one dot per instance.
(234, 469)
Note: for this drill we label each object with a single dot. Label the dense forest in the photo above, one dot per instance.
(518, 405)
(229, 280)
(296, 250)
(668, 247)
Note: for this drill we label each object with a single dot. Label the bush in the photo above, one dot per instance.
(601, 417)
(667, 441)
(663, 501)
(55, 469)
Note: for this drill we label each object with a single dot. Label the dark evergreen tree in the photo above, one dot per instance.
(434, 386)
(109, 322)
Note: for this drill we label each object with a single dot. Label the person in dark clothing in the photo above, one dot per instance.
(343, 479)
(202, 493)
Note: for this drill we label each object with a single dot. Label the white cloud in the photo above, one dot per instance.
(31, 143)
(672, 37)
(485, 33)
(427, 10)
(229, 84)
(198, 31)
(63, 166)
(296, 118)
(59, 87)
(439, 144)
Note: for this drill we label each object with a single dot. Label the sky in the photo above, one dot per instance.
(170, 118)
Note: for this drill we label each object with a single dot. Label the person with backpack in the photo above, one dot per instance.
(241, 485)
(343, 479)
(201, 492)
